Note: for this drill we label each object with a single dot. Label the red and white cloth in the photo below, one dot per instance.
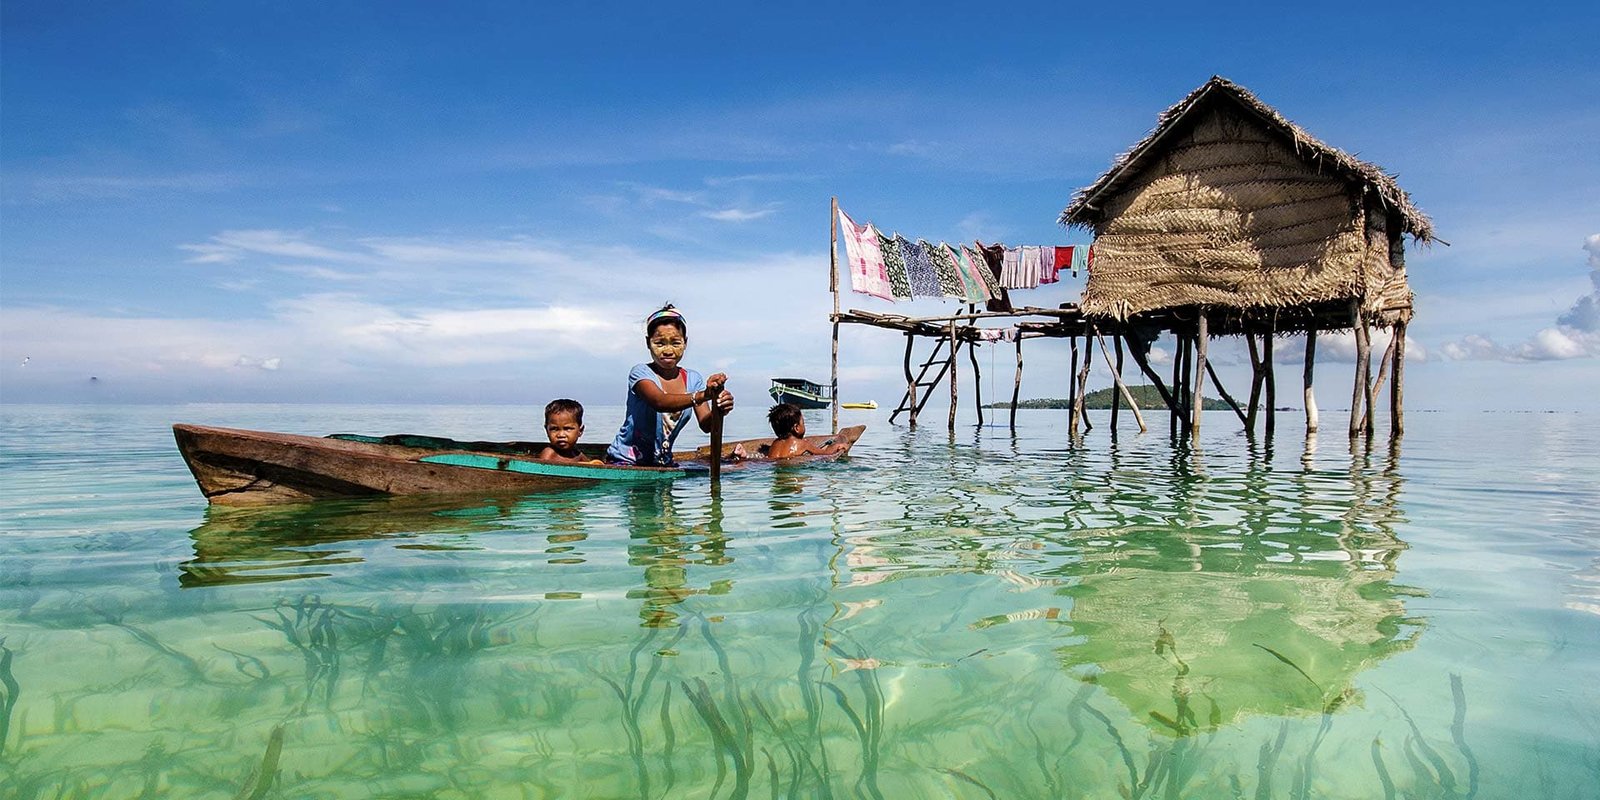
(868, 274)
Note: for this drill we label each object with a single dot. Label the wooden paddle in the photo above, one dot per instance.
(716, 433)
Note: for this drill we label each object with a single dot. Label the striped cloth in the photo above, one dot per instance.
(894, 264)
(867, 272)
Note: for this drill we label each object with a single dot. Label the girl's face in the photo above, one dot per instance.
(667, 344)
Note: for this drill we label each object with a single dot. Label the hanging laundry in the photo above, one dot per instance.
(944, 269)
(971, 274)
(919, 268)
(1032, 267)
(894, 263)
(980, 271)
(1047, 257)
(991, 334)
(1010, 266)
(1080, 258)
(1063, 259)
(994, 255)
(867, 272)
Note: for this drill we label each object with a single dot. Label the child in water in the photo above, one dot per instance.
(789, 425)
(659, 392)
(563, 424)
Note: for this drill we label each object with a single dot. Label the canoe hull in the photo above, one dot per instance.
(243, 467)
(240, 467)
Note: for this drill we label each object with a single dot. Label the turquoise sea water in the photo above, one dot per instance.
(973, 615)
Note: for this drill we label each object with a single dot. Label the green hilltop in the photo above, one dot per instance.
(1144, 394)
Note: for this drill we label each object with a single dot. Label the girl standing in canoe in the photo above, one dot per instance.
(661, 391)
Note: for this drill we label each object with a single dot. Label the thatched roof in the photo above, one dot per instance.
(1085, 210)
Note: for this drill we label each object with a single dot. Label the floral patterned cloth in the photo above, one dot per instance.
(894, 264)
(919, 268)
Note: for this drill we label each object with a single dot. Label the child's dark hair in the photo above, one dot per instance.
(564, 406)
(783, 416)
(666, 315)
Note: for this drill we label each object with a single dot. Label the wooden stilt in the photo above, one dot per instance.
(1187, 394)
(1116, 370)
(953, 381)
(1371, 422)
(1016, 383)
(1397, 426)
(1198, 405)
(1072, 395)
(1177, 384)
(833, 286)
(1116, 377)
(1310, 396)
(1255, 384)
(1358, 393)
(911, 380)
(977, 380)
(1269, 379)
(1223, 393)
(1083, 385)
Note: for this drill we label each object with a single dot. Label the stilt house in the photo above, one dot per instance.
(1233, 219)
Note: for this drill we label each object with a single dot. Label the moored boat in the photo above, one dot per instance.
(800, 392)
(868, 405)
(244, 467)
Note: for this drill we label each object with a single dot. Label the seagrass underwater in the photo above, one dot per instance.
(977, 614)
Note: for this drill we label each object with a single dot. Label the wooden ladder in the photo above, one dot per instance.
(924, 385)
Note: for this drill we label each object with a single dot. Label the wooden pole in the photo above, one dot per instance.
(1016, 383)
(1376, 389)
(1188, 383)
(1198, 406)
(1311, 396)
(1269, 379)
(716, 435)
(977, 380)
(1072, 392)
(1116, 377)
(1397, 426)
(1223, 393)
(1255, 384)
(1083, 383)
(911, 380)
(1177, 385)
(833, 286)
(1116, 339)
(953, 380)
(1358, 393)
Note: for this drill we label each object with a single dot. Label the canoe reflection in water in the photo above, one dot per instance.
(236, 545)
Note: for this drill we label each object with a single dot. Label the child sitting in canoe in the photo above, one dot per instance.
(661, 391)
(563, 424)
(789, 425)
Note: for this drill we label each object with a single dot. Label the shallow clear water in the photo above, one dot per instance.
(977, 615)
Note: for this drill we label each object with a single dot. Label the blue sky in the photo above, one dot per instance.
(391, 202)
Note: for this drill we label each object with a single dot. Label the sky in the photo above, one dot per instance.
(390, 202)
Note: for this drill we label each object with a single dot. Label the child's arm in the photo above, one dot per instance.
(549, 454)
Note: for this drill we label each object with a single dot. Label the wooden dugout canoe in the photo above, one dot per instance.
(242, 467)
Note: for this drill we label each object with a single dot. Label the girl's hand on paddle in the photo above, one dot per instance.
(724, 403)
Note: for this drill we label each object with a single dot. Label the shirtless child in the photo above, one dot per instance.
(563, 424)
(789, 425)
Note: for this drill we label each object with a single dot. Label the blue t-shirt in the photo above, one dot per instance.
(644, 439)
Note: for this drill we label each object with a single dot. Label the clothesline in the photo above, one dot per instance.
(896, 268)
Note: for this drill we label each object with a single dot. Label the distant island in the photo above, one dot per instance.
(1145, 395)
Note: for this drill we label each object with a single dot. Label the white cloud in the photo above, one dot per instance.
(1576, 333)
(738, 214)
(232, 246)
